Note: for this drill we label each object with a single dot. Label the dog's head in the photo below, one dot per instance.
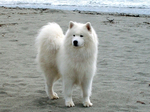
(79, 33)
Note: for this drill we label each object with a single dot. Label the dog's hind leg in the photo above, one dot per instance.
(51, 75)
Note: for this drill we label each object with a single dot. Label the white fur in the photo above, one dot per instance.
(57, 54)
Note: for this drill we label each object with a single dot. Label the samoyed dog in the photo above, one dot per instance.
(72, 56)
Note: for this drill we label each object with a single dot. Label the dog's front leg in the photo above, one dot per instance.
(86, 86)
(67, 87)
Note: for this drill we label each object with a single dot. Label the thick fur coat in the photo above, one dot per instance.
(72, 56)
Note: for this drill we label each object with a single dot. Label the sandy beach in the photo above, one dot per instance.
(122, 82)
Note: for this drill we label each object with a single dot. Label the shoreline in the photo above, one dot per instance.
(84, 12)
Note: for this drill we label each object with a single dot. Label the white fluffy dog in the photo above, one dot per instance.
(72, 56)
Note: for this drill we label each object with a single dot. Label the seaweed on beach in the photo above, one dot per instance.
(5, 24)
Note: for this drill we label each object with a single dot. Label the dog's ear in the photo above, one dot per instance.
(71, 24)
(88, 26)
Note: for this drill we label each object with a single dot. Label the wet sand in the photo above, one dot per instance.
(122, 82)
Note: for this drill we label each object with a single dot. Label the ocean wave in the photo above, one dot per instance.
(120, 6)
(87, 3)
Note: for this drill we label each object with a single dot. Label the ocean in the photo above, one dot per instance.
(108, 6)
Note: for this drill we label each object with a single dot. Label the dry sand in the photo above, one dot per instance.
(123, 76)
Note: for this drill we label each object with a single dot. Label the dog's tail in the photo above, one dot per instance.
(48, 42)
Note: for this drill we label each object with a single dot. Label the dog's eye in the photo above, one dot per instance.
(81, 35)
(74, 35)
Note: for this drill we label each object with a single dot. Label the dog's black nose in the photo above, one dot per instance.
(75, 43)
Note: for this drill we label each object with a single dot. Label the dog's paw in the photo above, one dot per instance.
(54, 96)
(87, 104)
(70, 104)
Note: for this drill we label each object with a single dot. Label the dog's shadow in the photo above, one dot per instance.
(45, 102)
